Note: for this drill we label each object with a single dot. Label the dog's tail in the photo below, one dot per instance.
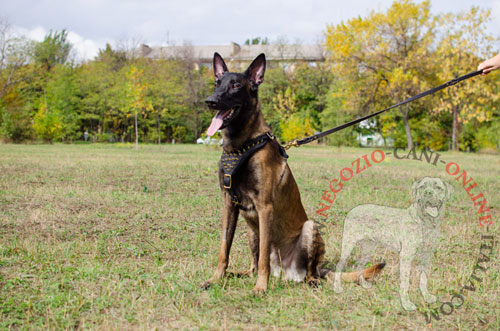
(353, 276)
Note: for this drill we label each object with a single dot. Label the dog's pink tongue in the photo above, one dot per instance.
(216, 123)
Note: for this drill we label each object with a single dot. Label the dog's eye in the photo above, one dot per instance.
(236, 85)
(217, 82)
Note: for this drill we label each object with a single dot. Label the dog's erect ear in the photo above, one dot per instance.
(449, 190)
(256, 70)
(219, 66)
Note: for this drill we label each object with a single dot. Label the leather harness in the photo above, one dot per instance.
(232, 161)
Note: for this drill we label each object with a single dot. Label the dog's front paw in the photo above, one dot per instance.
(313, 281)
(429, 298)
(338, 288)
(259, 290)
(365, 283)
(408, 305)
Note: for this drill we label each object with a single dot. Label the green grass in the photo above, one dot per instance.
(106, 237)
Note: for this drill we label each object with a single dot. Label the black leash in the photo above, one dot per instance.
(299, 142)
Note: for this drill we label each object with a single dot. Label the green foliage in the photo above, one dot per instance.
(334, 115)
(15, 126)
(374, 61)
(62, 95)
(301, 90)
(113, 59)
(488, 137)
(47, 124)
(257, 41)
(54, 49)
(179, 133)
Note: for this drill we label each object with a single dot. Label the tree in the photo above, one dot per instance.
(100, 85)
(62, 96)
(13, 55)
(383, 58)
(136, 90)
(276, 83)
(166, 94)
(15, 115)
(196, 86)
(114, 59)
(54, 49)
(257, 41)
(47, 124)
(459, 51)
(296, 127)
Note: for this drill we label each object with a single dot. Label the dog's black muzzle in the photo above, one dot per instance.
(212, 101)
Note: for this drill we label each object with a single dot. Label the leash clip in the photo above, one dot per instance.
(290, 144)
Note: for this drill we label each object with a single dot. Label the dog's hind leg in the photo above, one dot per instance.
(406, 256)
(367, 250)
(315, 246)
(423, 270)
(348, 244)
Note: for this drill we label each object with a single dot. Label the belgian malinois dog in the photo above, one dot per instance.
(282, 239)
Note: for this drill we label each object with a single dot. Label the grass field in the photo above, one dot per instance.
(106, 237)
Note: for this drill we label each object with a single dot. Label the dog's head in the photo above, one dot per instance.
(235, 95)
(430, 194)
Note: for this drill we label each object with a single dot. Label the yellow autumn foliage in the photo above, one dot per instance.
(47, 124)
(296, 127)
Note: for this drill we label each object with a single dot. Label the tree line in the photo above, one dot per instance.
(372, 62)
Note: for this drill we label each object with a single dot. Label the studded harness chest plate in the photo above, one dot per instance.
(232, 161)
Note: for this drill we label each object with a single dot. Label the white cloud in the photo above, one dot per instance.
(36, 34)
(86, 49)
(83, 49)
(92, 23)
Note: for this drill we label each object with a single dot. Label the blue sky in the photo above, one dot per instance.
(92, 23)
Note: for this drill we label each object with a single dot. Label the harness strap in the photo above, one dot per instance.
(232, 161)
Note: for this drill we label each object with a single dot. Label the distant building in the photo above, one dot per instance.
(373, 139)
(235, 54)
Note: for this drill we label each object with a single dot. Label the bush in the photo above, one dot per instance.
(296, 127)
(487, 137)
(179, 133)
(15, 125)
(102, 137)
(47, 124)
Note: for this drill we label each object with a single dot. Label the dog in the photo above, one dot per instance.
(282, 239)
(411, 232)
